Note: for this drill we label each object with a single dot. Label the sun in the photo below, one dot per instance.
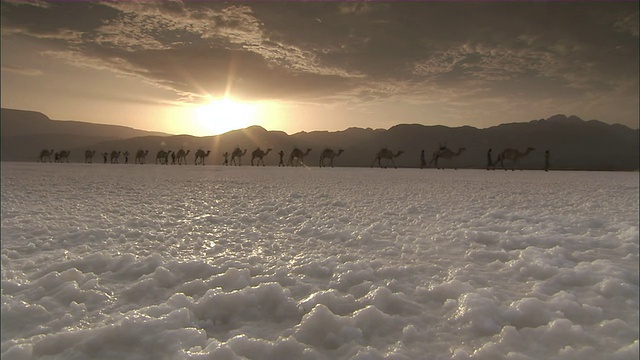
(221, 115)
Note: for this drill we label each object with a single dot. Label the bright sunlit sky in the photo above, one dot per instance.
(204, 68)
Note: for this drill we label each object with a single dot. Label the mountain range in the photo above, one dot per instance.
(573, 143)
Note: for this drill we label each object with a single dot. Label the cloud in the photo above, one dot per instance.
(345, 52)
(21, 70)
(629, 24)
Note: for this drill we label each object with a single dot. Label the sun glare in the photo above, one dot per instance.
(222, 115)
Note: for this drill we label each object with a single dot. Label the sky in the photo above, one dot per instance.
(202, 68)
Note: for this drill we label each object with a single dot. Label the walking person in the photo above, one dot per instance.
(423, 160)
(281, 153)
(226, 158)
(490, 164)
(546, 160)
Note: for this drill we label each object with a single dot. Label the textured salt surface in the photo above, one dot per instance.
(150, 262)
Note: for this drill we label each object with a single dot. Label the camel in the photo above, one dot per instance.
(386, 154)
(45, 154)
(200, 155)
(329, 154)
(511, 154)
(63, 156)
(163, 157)
(182, 155)
(114, 156)
(444, 153)
(260, 154)
(141, 156)
(298, 154)
(88, 156)
(237, 153)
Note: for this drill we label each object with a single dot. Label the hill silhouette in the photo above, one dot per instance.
(573, 143)
(21, 130)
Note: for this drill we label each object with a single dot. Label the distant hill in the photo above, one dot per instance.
(572, 142)
(22, 129)
(24, 123)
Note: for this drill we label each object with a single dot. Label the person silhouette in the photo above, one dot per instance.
(173, 158)
(281, 153)
(489, 160)
(546, 160)
(104, 155)
(226, 158)
(423, 160)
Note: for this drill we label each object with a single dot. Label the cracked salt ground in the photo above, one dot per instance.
(126, 262)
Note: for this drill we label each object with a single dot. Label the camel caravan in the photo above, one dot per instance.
(441, 159)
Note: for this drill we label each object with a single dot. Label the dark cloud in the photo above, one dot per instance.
(355, 51)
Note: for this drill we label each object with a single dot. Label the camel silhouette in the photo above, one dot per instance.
(45, 154)
(63, 156)
(162, 157)
(88, 156)
(200, 155)
(141, 156)
(259, 154)
(444, 153)
(182, 156)
(513, 155)
(386, 154)
(114, 156)
(299, 155)
(329, 154)
(237, 153)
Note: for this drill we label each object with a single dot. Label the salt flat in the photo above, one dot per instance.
(175, 262)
